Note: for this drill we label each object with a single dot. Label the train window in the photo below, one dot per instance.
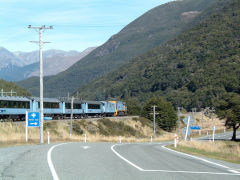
(75, 106)
(93, 106)
(15, 104)
(49, 105)
(68, 105)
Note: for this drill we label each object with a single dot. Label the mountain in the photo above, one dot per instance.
(192, 70)
(8, 59)
(152, 29)
(32, 57)
(62, 62)
(51, 59)
(8, 86)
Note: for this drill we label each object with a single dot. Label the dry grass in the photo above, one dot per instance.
(206, 124)
(14, 133)
(228, 151)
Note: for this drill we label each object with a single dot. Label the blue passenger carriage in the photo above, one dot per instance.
(14, 107)
(52, 107)
(77, 108)
(92, 108)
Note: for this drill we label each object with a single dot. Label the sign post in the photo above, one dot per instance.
(214, 129)
(187, 128)
(26, 127)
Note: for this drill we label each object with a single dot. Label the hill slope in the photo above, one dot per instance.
(8, 86)
(148, 31)
(191, 71)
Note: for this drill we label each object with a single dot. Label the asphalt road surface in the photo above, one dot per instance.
(108, 161)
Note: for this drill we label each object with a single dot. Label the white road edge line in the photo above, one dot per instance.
(234, 171)
(168, 171)
(207, 161)
(192, 172)
(50, 164)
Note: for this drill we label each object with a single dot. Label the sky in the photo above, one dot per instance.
(77, 24)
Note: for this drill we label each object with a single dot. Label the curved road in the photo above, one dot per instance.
(109, 161)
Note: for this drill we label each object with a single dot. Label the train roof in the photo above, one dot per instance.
(92, 102)
(75, 101)
(14, 98)
(53, 100)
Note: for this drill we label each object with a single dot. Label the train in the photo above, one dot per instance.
(14, 108)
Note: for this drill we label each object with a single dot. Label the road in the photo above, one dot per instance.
(109, 161)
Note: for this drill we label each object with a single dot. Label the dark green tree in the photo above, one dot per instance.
(229, 109)
(133, 107)
(166, 117)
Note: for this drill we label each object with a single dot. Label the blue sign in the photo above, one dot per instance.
(184, 131)
(47, 118)
(195, 127)
(2, 110)
(33, 119)
(191, 120)
(214, 128)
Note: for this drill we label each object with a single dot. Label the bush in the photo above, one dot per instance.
(166, 116)
(112, 128)
(76, 127)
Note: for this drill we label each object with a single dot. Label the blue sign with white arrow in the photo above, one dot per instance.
(195, 127)
(33, 119)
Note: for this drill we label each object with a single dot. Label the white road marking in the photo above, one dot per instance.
(85, 147)
(195, 157)
(192, 172)
(50, 164)
(129, 162)
(235, 173)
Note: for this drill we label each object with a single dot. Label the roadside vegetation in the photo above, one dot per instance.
(8, 86)
(222, 150)
(131, 129)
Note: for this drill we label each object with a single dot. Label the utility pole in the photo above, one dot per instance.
(71, 116)
(154, 120)
(179, 112)
(40, 42)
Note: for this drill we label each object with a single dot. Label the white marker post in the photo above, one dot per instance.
(187, 128)
(120, 139)
(85, 138)
(48, 137)
(175, 140)
(214, 129)
(224, 130)
(26, 128)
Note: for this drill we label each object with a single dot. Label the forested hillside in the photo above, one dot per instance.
(8, 86)
(148, 31)
(193, 70)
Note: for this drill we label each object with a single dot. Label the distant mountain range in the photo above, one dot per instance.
(150, 30)
(17, 66)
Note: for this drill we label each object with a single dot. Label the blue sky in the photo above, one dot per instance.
(78, 24)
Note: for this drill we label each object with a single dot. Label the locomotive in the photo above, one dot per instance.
(15, 108)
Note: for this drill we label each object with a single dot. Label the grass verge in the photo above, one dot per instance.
(221, 150)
